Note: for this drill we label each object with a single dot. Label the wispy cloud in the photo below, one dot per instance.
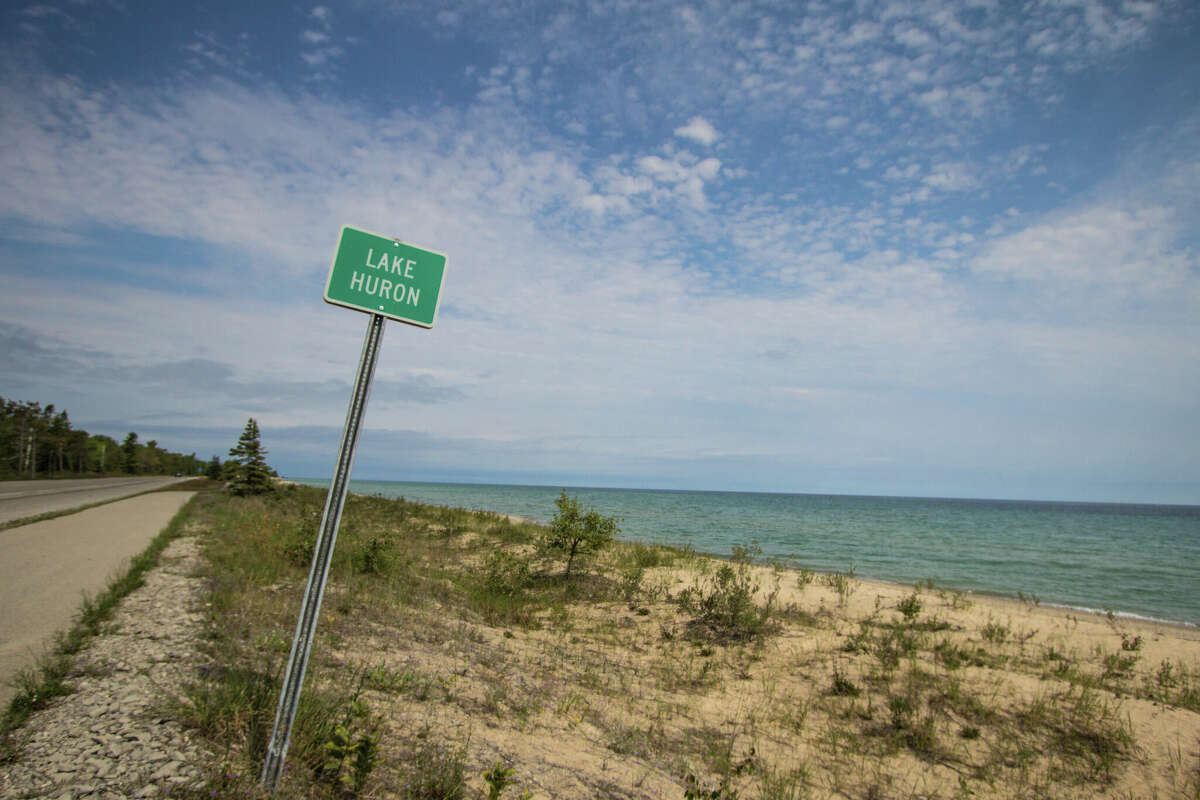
(747, 232)
(319, 48)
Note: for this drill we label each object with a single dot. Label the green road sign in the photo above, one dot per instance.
(382, 275)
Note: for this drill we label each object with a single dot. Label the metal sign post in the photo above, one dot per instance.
(388, 279)
(289, 697)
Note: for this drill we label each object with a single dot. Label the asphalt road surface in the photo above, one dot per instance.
(46, 567)
(20, 499)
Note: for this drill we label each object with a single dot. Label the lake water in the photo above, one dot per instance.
(1137, 560)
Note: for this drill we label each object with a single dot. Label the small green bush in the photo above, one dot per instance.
(725, 605)
(574, 532)
(505, 574)
(910, 607)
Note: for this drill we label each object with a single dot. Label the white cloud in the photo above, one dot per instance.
(1125, 252)
(911, 36)
(320, 53)
(951, 177)
(682, 174)
(700, 130)
(908, 172)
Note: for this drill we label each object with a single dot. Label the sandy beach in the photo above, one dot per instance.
(657, 672)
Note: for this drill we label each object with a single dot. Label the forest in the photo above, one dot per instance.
(39, 442)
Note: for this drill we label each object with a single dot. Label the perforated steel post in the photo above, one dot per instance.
(293, 680)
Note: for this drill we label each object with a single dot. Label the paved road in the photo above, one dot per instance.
(20, 499)
(46, 567)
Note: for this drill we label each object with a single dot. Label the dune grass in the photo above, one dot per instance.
(448, 650)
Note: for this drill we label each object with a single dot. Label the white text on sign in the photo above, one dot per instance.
(377, 286)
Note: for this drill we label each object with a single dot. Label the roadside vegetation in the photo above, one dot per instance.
(462, 654)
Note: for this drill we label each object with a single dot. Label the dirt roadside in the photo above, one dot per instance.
(47, 567)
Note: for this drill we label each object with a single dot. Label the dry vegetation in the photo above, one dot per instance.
(452, 661)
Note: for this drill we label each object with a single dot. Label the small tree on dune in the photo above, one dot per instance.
(574, 532)
(246, 470)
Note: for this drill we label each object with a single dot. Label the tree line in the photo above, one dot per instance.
(40, 442)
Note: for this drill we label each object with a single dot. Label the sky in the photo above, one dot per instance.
(898, 248)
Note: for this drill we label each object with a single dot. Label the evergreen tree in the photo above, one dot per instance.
(213, 469)
(246, 470)
(129, 454)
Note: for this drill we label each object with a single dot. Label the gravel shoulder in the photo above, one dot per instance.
(109, 739)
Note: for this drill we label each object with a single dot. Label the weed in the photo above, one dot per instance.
(726, 607)
(843, 584)
(1118, 666)
(350, 752)
(776, 784)
(695, 789)
(995, 632)
(1131, 644)
(497, 778)
(373, 556)
(645, 556)
(1086, 732)
(959, 601)
(843, 686)
(630, 582)
(858, 642)
(910, 607)
(505, 574)
(435, 771)
(382, 679)
(794, 714)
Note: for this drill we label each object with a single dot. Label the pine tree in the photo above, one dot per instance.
(129, 454)
(213, 469)
(246, 470)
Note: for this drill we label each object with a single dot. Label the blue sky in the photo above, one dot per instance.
(888, 248)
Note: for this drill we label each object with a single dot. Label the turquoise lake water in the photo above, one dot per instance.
(1138, 560)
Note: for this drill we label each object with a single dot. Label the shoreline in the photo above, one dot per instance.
(1067, 606)
(1015, 605)
(983, 594)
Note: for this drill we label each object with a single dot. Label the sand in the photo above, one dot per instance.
(614, 699)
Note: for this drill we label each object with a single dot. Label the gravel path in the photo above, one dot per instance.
(111, 738)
